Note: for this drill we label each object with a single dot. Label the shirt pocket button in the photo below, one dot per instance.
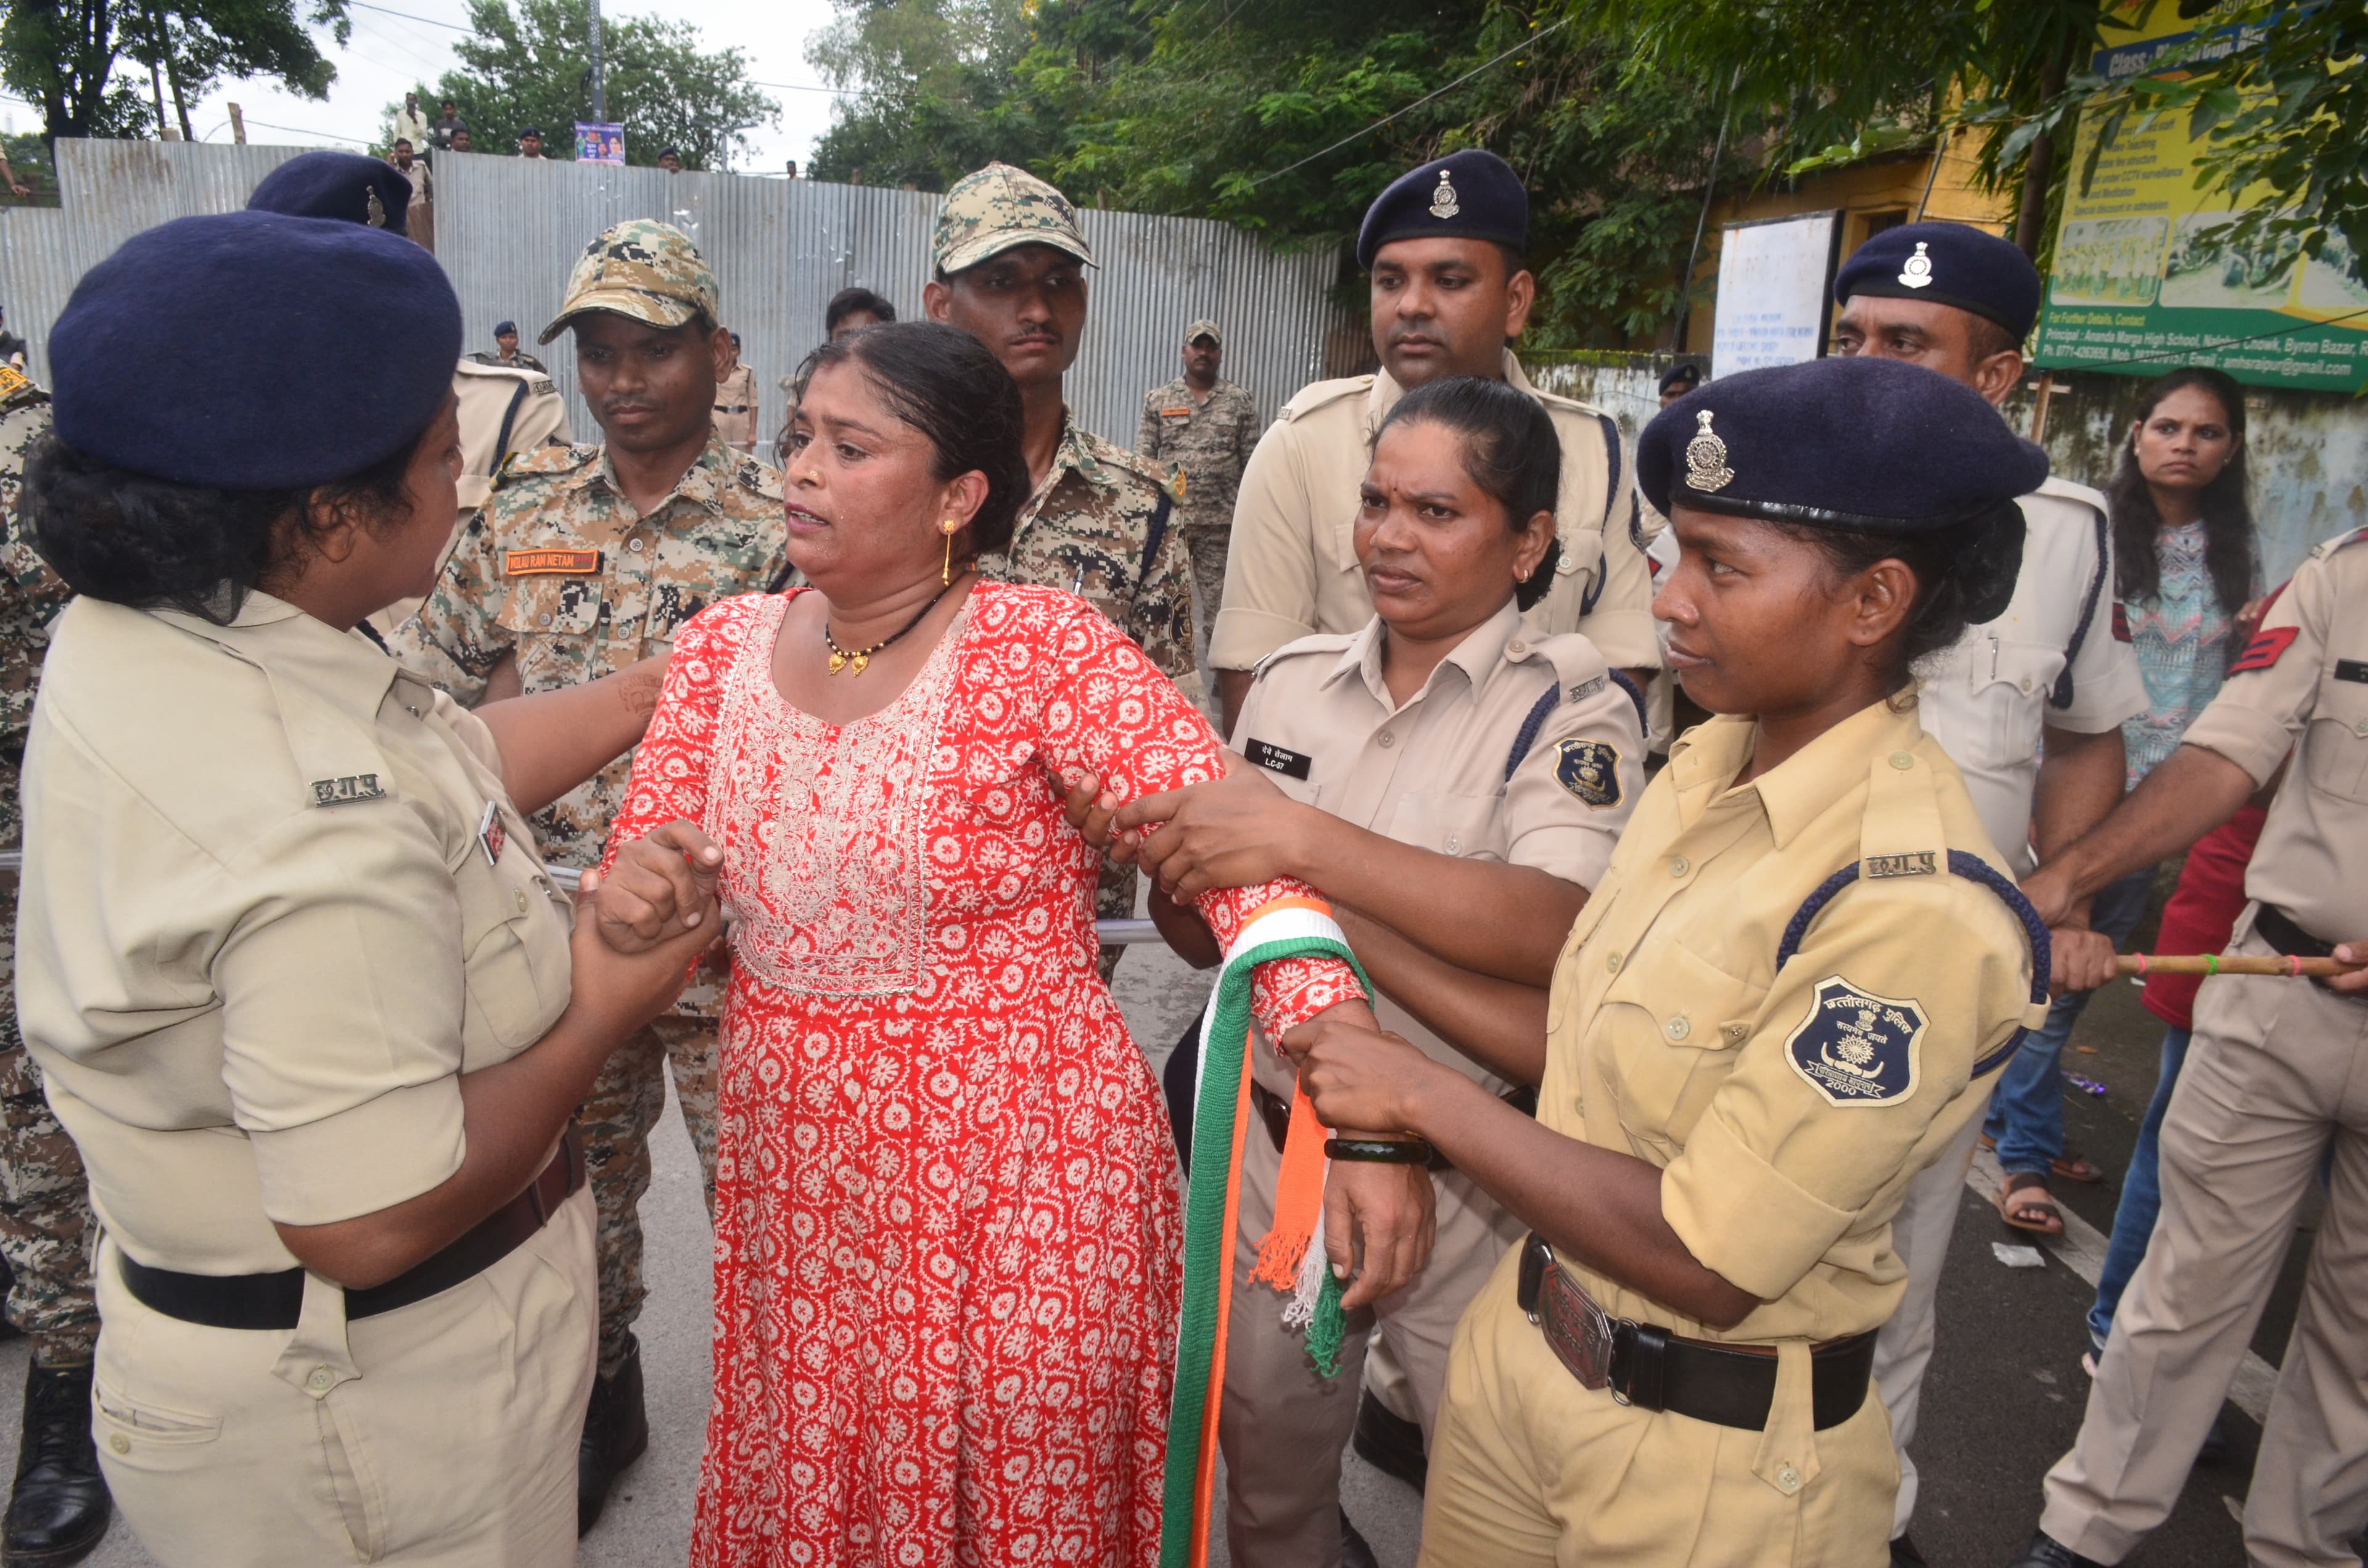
(1679, 1027)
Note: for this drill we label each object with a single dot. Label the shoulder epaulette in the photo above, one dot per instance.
(1316, 394)
(1317, 642)
(2326, 547)
(542, 462)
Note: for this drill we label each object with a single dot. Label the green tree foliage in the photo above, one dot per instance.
(532, 66)
(1202, 107)
(69, 57)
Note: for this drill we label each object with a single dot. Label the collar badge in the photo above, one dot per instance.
(1706, 469)
(1917, 272)
(1442, 200)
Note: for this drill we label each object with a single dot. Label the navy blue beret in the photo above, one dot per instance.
(253, 351)
(1950, 263)
(1873, 445)
(506, 329)
(1468, 195)
(526, 130)
(336, 185)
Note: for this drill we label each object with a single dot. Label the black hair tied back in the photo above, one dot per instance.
(1511, 451)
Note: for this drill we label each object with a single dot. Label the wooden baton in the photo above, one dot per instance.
(2215, 963)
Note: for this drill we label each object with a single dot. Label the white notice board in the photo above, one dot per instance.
(1775, 279)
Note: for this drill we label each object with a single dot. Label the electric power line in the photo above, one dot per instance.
(1529, 43)
(455, 27)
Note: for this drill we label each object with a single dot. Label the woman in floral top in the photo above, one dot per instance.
(2184, 576)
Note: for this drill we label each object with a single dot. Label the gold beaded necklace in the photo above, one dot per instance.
(854, 660)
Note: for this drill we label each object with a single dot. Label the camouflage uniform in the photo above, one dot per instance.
(1201, 446)
(559, 572)
(46, 1230)
(1088, 528)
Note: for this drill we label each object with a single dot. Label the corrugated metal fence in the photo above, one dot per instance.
(507, 230)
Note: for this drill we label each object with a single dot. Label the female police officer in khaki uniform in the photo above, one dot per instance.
(1784, 995)
(1455, 782)
(300, 990)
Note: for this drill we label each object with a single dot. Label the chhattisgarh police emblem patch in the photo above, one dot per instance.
(1590, 771)
(1855, 1048)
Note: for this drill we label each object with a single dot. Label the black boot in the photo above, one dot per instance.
(616, 1431)
(58, 1509)
(1355, 1551)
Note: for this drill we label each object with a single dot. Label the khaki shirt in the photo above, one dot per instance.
(735, 408)
(1201, 444)
(261, 935)
(1788, 1107)
(1294, 569)
(1459, 768)
(2303, 682)
(1985, 698)
(561, 570)
(1087, 531)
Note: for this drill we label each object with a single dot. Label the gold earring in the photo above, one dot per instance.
(949, 528)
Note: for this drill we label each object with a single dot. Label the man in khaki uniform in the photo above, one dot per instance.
(1200, 430)
(1009, 263)
(2271, 1080)
(1442, 246)
(584, 559)
(735, 402)
(1447, 772)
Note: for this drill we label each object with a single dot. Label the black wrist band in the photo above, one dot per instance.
(1379, 1151)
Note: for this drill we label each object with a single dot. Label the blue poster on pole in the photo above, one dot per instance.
(599, 144)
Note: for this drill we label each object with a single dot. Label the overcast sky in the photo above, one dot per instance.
(388, 53)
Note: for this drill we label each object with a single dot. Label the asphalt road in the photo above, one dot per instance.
(2004, 1399)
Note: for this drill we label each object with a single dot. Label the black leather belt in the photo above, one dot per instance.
(277, 1300)
(1275, 1111)
(731, 408)
(2276, 928)
(1652, 1369)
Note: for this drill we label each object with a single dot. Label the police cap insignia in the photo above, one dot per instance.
(1855, 1048)
(1442, 200)
(1916, 272)
(1590, 771)
(1706, 469)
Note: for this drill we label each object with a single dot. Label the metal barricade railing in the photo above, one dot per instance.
(1113, 933)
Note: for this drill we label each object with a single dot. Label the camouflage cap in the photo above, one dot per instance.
(996, 207)
(1206, 328)
(644, 269)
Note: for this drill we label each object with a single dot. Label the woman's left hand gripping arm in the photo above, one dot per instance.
(1380, 1219)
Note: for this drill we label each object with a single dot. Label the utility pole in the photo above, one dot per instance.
(237, 126)
(599, 88)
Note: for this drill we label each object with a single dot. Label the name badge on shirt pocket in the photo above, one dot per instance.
(491, 832)
(1274, 759)
(2351, 669)
(1175, 413)
(550, 562)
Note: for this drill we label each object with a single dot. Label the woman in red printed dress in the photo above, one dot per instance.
(948, 1240)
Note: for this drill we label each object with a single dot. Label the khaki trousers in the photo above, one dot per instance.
(1531, 1470)
(1283, 1428)
(2278, 1071)
(443, 1433)
(1903, 1350)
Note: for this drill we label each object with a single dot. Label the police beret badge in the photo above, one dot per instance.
(1706, 470)
(1855, 1048)
(1442, 200)
(1590, 771)
(1917, 271)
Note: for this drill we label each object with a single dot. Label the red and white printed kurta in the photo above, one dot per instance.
(948, 1247)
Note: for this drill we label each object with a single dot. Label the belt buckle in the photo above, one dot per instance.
(1577, 1329)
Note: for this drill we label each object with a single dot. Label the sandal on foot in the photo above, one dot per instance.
(2074, 1165)
(2023, 1204)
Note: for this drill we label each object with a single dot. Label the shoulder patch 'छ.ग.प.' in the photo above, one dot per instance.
(1856, 1049)
(1589, 770)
